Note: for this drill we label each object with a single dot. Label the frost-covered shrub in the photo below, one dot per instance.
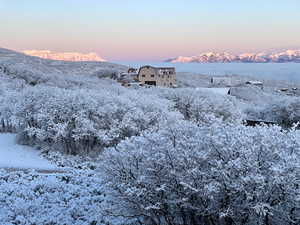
(9, 94)
(8, 102)
(28, 198)
(199, 106)
(284, 110)
(62, 160)
(82, 121)
(223, 174)
(251, 93)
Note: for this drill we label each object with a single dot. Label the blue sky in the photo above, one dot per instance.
(149, 30)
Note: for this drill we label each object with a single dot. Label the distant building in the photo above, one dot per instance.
(127, 78)
(157, 76)
(255, 83)
(221, 81)
(148, 76)
(290, 91)
(132, 70)
(284, 89)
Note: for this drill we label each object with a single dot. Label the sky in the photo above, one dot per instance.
(140, 30)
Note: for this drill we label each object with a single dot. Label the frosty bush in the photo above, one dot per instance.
(7, 111)
(198, 106)
(284, 111)
(70, 198)
(187, 174)
(81, 121)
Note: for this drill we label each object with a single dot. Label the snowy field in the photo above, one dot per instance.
(17, 156)
(268, 71)
(221, 91)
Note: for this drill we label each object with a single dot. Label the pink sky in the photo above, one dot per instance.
(139, 30)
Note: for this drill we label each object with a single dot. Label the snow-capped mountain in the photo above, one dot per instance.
(205, 57)
(66, 56)
(287, 56)
(213, 57)
(16, 64)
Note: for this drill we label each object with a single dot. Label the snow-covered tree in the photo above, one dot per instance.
(199, 106)
(284, 110)
(223, 174)
(83, 120)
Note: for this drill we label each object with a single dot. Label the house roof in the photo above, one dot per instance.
(158, 68)
(165, 68)
(254, 82)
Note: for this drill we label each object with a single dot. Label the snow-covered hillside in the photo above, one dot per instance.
(262, 57)
(142, 156)
(14, 63)
(66, 56)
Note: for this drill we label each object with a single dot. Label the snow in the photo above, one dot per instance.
(67, 56)
(265, 71)
(13, 155)
(287, 56)
(222, 91)
(150, 141)
(16, 62)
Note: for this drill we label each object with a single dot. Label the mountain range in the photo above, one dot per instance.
(21, 66)
(224, 57)
(65, 56)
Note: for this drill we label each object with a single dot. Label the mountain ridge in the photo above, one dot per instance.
(224, 57)
(17, 65)
(65, 56)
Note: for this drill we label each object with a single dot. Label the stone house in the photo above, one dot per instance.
(157, 76)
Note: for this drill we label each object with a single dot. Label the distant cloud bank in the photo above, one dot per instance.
(66, 56)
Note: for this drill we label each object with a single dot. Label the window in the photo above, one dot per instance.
(152, 75)
(171, 84)
(150, 83)
(143, 75)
